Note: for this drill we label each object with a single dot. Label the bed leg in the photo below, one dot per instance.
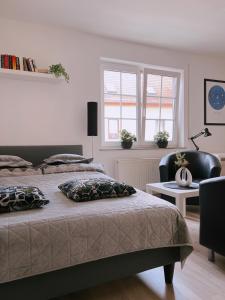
(211, 255)
(168, 273)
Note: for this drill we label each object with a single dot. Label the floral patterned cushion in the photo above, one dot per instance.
(17, 198)
(96, 188)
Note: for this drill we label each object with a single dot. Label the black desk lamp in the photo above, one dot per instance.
(204, 132)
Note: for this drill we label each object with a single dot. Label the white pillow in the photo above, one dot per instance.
(63, 158)
(13, 161)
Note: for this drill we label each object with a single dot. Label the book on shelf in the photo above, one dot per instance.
(14, 62)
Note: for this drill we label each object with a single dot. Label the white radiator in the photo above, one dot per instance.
(137, 171)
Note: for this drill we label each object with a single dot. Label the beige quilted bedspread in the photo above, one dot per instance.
(65, 233)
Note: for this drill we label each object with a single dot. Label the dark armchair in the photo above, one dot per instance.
(212, 212)
(202, 165)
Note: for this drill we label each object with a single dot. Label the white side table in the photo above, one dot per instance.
(179, 195)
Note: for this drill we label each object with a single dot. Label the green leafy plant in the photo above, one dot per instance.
(127, 136)
(58, 70)
(161, 136)
(181, 161)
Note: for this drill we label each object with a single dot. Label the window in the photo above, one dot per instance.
(143, 101)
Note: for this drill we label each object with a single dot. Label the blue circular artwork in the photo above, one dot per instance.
(217, 97)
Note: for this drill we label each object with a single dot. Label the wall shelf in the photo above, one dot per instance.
(25, 75)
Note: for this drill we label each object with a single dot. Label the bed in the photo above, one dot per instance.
(67, 246)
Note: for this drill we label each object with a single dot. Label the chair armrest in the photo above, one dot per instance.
(212, 212)
(164, 168)
(213, 168)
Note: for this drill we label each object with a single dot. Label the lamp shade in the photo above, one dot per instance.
(206, 132)
(92, 118)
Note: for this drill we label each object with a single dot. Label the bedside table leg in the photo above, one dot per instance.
(181, 205)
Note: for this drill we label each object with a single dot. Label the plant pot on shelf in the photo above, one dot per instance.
(183, 177)
(162, 144)
(126, 144)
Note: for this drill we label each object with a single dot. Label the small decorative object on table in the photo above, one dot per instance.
(127, 139)
(183, 176)
(58, 70)
(161, 139)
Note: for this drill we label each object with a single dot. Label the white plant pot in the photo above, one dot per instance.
(183, 177)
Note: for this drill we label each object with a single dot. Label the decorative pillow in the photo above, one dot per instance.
(13, 161)
(8, 171)
(17, 198)
(94, 189)
(63, 159)
(64, 168)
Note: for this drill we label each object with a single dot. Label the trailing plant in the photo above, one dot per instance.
(161, 136)
(127, 136)
(181, 161)
(58, 70)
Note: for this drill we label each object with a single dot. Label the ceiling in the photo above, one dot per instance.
(191, 25)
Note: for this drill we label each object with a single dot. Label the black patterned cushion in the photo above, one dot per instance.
(17, 198)
(93, 189)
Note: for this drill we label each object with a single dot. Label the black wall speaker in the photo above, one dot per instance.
(92, 118)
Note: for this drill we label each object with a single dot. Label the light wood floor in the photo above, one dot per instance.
(199, 279)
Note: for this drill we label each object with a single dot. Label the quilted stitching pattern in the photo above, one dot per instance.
(66, 233)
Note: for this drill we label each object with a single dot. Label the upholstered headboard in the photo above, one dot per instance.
(36, 154)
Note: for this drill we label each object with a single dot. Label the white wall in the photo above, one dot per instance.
(34, 113)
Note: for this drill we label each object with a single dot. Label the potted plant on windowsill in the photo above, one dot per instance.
(161, 139)
(127, 139)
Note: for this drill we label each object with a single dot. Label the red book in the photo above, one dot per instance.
(10, 62)
(14, 62)
(6, 61)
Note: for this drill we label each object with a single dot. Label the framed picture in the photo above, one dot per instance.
(214, 102)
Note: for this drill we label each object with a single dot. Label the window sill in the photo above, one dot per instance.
(107, 148)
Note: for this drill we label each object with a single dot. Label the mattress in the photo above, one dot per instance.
(65, 233)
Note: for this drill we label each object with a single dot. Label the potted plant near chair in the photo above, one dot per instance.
(161, 139)
(127, 139)
(183, 176)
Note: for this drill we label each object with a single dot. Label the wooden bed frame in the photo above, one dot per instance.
(69, 280)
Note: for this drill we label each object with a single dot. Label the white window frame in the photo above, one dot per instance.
(118, 68)
(141, 101)
(147, 71)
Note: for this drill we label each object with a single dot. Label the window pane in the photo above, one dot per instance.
(111, 106)
(151, 128)
(169, 87)
(112, 111)
(129, 125)
(129, 107)
(128, 111)
(167, 109)
(152, 108)
(111, 130)
(129, 84)
(120, 103)
(111, 98)
(112, 82)
(168, 126)
(153, 85)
